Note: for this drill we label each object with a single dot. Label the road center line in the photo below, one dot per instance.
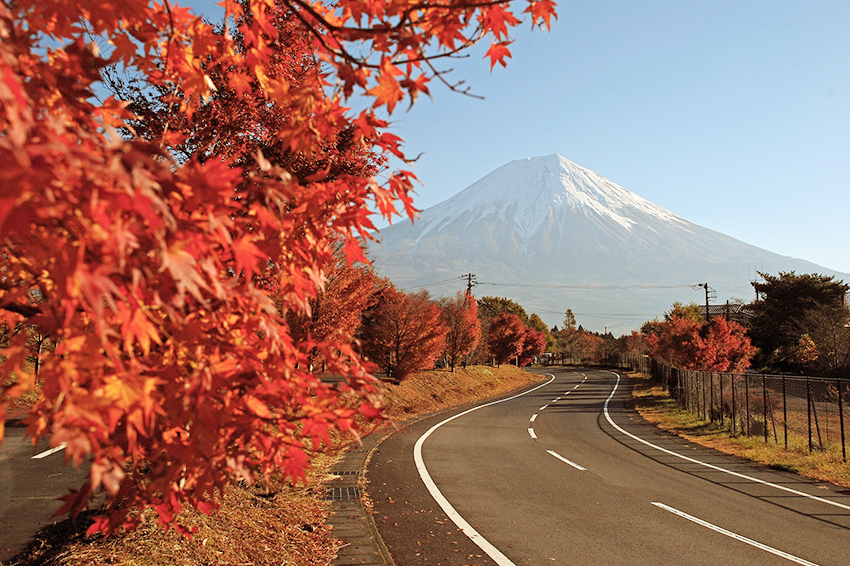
(543, 408)
(441, 500)
(47, 453)
(735, 536)
(570, 462)
(706, 464)
(531, 433)
(533, 417)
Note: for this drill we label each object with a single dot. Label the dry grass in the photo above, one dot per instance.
(655, 405)
(264, 525)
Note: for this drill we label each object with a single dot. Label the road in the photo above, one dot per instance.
(29, 488)
(564, 474)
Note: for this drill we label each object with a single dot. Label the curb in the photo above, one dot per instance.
(350, 520)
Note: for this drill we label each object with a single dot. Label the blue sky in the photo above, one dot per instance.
(732, 114)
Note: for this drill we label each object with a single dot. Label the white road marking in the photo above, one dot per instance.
(441, 500)
(533, 417)
(556, 400)
(706, 464)
(543, 408)
(531, 433)
(47, 453)
(735, 536)
(570, 462)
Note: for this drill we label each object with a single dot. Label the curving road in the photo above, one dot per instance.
(563, 474)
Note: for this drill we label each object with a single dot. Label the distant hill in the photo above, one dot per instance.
(553, 235)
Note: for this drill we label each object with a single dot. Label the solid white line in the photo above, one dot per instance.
(533, 417)
(706, 464)
(570, 462)
(531, 433)
(47, 453)
(441, 500)
(735, 536)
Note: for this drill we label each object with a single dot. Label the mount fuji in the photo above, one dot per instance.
(553, 235)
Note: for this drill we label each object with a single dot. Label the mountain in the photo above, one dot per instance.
(553, 235)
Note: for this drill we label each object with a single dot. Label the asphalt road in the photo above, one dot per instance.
(29, 488)
(548, 477)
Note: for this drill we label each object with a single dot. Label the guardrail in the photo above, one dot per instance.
(796, 411)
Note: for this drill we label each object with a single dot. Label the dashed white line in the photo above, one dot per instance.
(47, 453)
(566, 461)
(441, 500)
(735, 536)
(531, 433)
(533, 417)
(543, 408)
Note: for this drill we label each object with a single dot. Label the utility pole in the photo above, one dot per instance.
(709, 293)
(470, 282)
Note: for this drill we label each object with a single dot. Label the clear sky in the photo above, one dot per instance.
(732, 114)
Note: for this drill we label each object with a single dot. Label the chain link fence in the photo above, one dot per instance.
(794, 411)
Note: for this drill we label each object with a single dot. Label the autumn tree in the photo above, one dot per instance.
(714, 346)
(535, 322)
(460, 316)
(491, 307)
(402, 333)
(173, 373)
(505, 337)
(533, 344)
(335, 311)
(785, 301)
(824, 343)
(569, 319)
(690, 311)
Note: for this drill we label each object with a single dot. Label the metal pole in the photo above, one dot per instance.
(711, 411)
(747, 401)
(734, 412)
(764, 400)
(841, 420)
(785, 412)
(809, 406)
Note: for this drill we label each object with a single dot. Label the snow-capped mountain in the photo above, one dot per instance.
(553, 235)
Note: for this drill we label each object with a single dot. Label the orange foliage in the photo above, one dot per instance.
(403, 333)
(173, 372)
(715, 346)
(505, 337)
(460, 315)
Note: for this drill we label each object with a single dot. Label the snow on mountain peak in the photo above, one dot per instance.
(529, 191)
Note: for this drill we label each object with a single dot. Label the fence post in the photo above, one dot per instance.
(734, 412)
(764, 401)
(785, 412)
(747, 400)
(711, 409)
(841, 419)
(720, 401)
(809, 407)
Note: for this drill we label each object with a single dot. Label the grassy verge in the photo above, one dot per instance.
(264, 525)
(655, 405)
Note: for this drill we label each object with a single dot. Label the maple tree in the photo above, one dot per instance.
(460, 316)
(138, 260)
(717, 345)
(533, 344)
(505, 337)
(402, 332)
